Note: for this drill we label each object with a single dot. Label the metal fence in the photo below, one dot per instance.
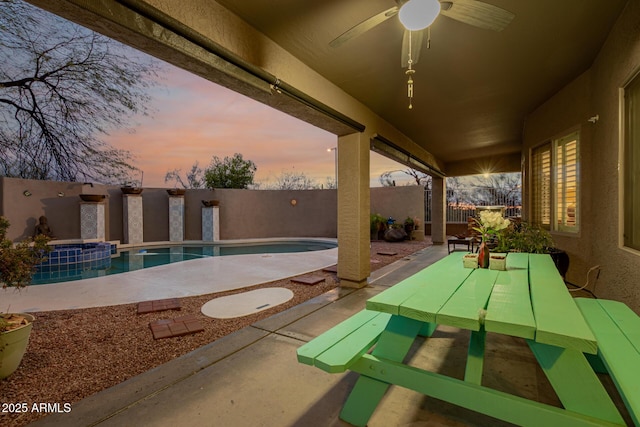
(462, 202)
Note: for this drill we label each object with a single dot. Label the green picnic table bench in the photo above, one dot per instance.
(617, 330)
(529, 300)
(336, 349)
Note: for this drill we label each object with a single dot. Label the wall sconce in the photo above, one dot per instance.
(294, 202)
(60, 194)
(594, 119)
(26, 193)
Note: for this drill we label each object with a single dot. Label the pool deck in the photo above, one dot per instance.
(183, 279)
(252, 377)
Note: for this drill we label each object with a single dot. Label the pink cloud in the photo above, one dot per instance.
(195, 119)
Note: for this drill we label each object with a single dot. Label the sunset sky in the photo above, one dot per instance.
(195, 119)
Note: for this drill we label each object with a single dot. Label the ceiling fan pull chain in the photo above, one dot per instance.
(410, 71)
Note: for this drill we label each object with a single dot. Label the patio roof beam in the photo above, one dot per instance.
(385, 147)
(145, 10)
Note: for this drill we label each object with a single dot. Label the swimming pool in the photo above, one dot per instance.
(132, 259)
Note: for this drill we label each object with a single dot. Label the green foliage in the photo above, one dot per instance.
(377, 223)
(17, 262)
(232, 172)
(524, 237)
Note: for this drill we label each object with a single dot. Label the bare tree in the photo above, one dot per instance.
(330, 184)
(496, 188)
(293, 180)
(419, 178)
(62, 87)
(386, 179)
(194, 178)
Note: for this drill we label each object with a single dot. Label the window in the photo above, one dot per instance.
(541, 186)
(631, 165)
(555, 176)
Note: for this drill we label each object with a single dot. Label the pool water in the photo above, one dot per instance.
(135, 259)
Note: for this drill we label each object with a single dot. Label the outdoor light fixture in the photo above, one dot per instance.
(26, 193)
(60, 194)
(417, 15)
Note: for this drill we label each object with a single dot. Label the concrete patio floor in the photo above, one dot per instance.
(252, 377)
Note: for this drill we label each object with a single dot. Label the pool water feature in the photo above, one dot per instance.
(64, 267)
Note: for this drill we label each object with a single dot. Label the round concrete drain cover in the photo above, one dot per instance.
(246, 303)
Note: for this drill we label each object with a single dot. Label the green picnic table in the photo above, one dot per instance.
(528, 300)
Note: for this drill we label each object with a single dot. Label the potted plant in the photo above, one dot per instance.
(378, 225)
(416, 223)
(409, 225)
(490, 225)
(522, 236)
(17, 263)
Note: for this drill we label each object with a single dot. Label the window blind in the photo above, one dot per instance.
(566, 187)
(541, 185)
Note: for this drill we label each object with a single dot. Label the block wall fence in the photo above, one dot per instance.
(244, 214)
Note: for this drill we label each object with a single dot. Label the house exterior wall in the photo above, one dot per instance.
(244, 214)
(596, 92)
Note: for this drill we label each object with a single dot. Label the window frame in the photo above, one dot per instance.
(623, 167)
(552, 193)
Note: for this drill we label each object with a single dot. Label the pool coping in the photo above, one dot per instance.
(184, 279)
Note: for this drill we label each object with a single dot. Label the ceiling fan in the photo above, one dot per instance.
(416, 15)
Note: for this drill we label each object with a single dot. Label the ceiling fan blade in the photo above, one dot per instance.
(417, 38)
(364, 26)
(477, 13)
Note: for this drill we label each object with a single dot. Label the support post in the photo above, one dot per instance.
(438, 211)
(353, 210)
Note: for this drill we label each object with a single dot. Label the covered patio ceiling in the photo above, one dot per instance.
(473, 88)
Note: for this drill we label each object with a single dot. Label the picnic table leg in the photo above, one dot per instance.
(475, 357)
(574, 381)
(394, 344)
(428, 328)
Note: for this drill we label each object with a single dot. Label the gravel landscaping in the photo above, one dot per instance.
(75, 353)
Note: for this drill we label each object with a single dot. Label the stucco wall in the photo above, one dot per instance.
(596, 92)
(398, 202)
(243, 213)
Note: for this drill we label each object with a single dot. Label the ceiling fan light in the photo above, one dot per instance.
(417, 15)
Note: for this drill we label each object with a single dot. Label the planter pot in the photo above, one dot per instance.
(210, 203)
(13, 344)
(176, 191)
(131, 190)
(92, 197)
(561, 260)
